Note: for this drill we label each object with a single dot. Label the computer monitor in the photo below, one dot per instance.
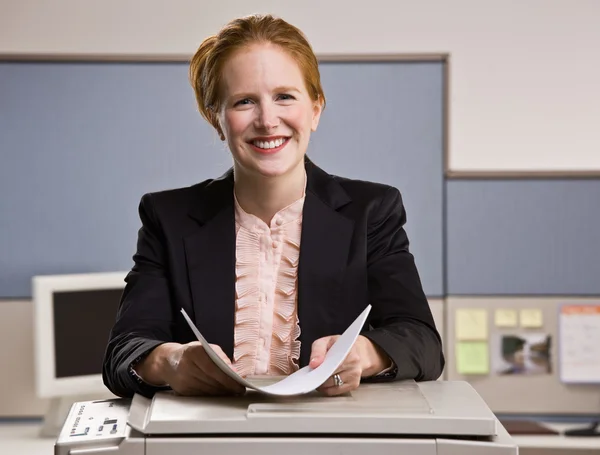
(73, 317)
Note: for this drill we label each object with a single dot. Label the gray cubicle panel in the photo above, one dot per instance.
(82, 142)
(529, 394)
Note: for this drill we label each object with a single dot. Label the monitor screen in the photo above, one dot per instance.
(82, 322)
(73, 314)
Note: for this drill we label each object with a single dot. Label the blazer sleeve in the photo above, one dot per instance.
(144, 319)
(401, 320)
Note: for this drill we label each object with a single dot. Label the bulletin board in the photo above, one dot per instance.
(508, 348)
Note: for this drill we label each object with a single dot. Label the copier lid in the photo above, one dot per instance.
(451, 408)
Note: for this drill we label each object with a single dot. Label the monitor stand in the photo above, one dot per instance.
(58, 410)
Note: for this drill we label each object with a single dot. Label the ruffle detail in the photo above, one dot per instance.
(257, 280)
(285, 348)
(247, 309)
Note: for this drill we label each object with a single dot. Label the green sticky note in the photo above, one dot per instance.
(472, 357)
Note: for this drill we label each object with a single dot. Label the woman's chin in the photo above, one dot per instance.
(272, 172)
(274, 168)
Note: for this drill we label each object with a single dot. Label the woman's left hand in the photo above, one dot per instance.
(364, 359)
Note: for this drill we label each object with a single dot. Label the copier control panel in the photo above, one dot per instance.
(97, 419)
(97, 426)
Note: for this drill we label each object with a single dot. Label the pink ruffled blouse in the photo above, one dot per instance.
(266, 319)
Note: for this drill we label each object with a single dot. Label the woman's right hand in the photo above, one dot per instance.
(188, 370)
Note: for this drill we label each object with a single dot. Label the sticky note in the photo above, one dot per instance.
(471, 324)
(472, 357)
(531, 317)
(506, 318)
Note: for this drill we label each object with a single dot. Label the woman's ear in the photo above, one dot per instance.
(216, 122)
(220, 131)
(217, 125)
(317, 109)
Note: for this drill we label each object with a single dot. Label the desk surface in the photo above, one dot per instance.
(558, 441)
(24, 438)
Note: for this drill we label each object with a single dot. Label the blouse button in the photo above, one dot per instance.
(275, 244)
(278, 221)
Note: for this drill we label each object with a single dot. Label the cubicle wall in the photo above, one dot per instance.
(523, 236)
(481, 333)
(520, 249)
(82, 142)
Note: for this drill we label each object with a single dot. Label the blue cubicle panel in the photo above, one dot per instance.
(386, 125)
(530, 237)
(82, 142)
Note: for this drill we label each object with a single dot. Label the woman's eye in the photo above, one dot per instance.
(243, 102)
(285, 97)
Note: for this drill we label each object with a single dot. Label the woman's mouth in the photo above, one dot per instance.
(269, 145)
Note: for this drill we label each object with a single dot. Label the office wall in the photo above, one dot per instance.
(524, 80)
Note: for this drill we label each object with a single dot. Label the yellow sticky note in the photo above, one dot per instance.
(532, 317)
(472, 357)
(506, 318)
(471, 324)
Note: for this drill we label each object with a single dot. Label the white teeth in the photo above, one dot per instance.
(269, 144)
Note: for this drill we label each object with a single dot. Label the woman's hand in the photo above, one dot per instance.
(365, 359)
(188, 370)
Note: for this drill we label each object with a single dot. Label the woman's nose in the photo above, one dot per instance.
(267, 117)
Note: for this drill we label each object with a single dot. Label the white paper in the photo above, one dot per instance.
(306, 379)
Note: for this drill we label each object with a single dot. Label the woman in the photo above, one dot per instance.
(275, 258)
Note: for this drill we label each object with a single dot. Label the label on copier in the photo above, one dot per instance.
(97, 420)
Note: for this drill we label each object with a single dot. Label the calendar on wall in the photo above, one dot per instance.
(579, 343)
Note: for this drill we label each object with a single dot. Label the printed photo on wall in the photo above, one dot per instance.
(523, 354)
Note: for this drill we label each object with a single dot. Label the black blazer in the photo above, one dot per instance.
(354, 251)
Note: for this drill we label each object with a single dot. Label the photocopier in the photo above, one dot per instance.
(406, 417)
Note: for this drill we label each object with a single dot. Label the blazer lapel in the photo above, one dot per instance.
(210, 258)
(325, 242)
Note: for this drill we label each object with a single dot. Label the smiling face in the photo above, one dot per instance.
(266, 114)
